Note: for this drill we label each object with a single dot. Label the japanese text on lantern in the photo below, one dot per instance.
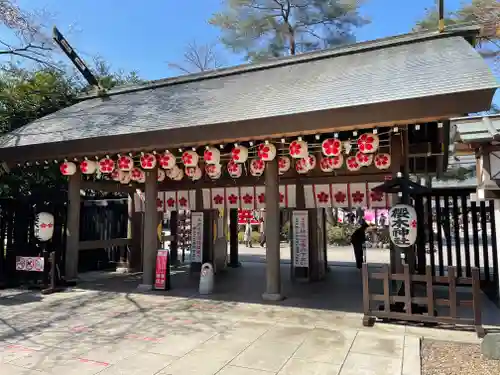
(300, 239)
(196, 236)
(403, 225)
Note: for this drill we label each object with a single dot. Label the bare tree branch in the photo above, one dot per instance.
(198, 58)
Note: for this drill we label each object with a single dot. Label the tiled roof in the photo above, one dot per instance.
(476, 129)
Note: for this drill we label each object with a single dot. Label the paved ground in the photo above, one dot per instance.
(96, 332)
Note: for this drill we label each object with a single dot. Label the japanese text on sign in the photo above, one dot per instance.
(300, 241)
(196, 236)
(403, 225)
(161, 269)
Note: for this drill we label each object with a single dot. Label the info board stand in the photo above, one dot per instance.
(300, 245)
(162, 271)
(203, 232)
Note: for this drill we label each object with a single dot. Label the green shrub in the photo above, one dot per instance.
(255, 237)
(340, 234)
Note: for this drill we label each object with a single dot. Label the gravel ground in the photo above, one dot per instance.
(449, 358)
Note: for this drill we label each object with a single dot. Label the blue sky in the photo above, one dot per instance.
(144, 36)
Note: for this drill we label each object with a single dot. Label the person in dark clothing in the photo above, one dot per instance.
(358, 240)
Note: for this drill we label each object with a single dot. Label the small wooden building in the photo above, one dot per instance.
(312, 131)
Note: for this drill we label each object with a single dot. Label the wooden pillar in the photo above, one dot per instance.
(73, 227)
(174, 233)
(150, 230)
(233, 238)
(397, 154)
(272, 223)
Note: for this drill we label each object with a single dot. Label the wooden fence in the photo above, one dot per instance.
(407, 307)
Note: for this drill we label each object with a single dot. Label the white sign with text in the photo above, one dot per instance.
(300, 242)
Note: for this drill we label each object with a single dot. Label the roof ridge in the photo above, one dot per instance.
(364, 46)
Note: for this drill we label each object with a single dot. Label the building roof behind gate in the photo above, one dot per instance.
(390, 70)
(476, 129)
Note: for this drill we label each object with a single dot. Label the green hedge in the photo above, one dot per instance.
(255, 237)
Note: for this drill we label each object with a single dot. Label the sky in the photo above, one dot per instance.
(147, 35)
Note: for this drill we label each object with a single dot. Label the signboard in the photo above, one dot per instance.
(245, 215)
(161, 272)
(300, 241)
(196, 237)
(403, 225)
(32, 264)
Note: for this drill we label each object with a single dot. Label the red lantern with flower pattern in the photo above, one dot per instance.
(239, 154)
(298, 149)
(235, 169)
(125, 177)
(161, 175)
(338, 161)
(363, 159)
(148, 161)
(106, 165)
(125, 163)
(116, 175)
(301, 166)
(211, 156)
(266, 151)
(368, 143)
(190, 158)
(194, 173)
(331, 147)
(326, 164)
(67, 168)
(352, 164)
(137, 175)
(284, 164)
(257, 167)
(382, 161)
(166, 160)
(88, 166)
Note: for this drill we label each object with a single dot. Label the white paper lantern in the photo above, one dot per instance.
(368, 143)
(310, 162)
(173, 172)
(142, 179)
(148, 161)
(352, 164)
(403, 225)
(266, 151)
(44, 226)
(284, 164)
(301, 167)
(167, 160)
(331, 147)
(298, 149)
(106, 165)
(364, 159)
(197, 174)
(194, 173)
(161, 175)
(116, 175)
(137, 175)
(125, 177)
(88, 166)
(338, 161)
(382, 161)
(216, 176)
(235, 169)
(326, 164)
(213, 170)
(211, 156)
(257, 167)
(125, 163)
(67, 168)
(179, 176)
(190, 158)
(239, 154)
(347, 147)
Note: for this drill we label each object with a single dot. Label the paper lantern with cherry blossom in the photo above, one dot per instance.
(194, 173)
(326, 164)
(216, 176)
(116, 175)
(211, 156)
(363, 159)
(239, 154)
(310, 162)
(235, 169)
(212, 170)
(142, 179)
(346, 145)
(368, 143)
(172, 173)
(179, 175)
(352, 164)
(67, 168)
(301, 166)
(338, 161)
(44, 226)
(88, 166)
(190, 158)
(125, 177)
(106, 165)
(148, 161)
(298, 149)
(284, 164)
(331, 147)
(266, 151)
(382, 161)
(137, 174)
(161, 175)
(166, 160)
(257, 167)
(125, 163)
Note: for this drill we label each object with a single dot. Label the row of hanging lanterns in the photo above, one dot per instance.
(332, 149)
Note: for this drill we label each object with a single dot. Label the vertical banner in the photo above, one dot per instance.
(300, 240)
(162, 271)
(196, 237)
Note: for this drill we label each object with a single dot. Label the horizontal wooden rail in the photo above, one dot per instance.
(102, 244)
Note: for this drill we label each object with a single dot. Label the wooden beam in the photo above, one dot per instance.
(102, 244)
(108, 186)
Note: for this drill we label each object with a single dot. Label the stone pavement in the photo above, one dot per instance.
(86, 332)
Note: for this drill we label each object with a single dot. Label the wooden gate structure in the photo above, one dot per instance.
(263, 134)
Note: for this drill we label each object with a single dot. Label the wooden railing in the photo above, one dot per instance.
(410, 307)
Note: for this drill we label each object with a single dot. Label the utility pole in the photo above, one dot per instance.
(441, 15)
